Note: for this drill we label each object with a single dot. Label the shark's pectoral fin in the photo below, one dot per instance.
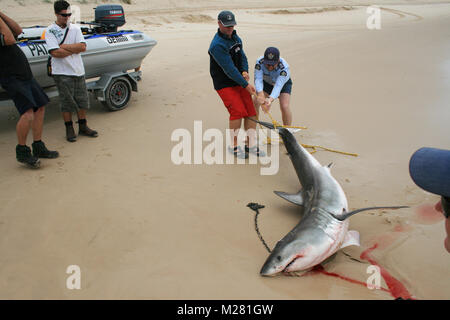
(293, 198)
(351, 239)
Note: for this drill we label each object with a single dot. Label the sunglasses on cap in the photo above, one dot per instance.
(65, 14)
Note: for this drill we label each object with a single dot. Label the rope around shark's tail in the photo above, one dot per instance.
(255, 207)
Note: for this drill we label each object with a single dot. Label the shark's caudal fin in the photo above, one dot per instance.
(346, 215)
(293, 198)
(265, 124)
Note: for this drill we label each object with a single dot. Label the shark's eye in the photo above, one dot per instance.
(279, 258)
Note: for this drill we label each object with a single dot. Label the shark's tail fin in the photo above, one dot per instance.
(347, 215)
(265, 124)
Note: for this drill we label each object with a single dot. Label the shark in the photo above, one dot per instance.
(324, 227)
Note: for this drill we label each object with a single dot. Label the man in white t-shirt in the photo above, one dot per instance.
(65, 42)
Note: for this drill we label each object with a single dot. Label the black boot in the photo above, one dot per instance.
(41, 151)
(70, 132)
(85, 130)
(23, 155)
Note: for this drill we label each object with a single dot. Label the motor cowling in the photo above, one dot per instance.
(110, 16)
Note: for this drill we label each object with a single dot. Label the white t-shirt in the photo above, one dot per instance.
(73, 64)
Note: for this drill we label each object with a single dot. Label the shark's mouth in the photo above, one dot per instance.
(291, 263)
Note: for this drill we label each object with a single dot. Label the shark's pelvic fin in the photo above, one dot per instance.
(351, 239)
(346, 215)
(293, 198)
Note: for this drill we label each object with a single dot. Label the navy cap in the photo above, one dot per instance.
(430, 170)
(227, 18)
(271, 56)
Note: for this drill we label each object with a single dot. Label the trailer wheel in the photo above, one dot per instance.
(117, 94)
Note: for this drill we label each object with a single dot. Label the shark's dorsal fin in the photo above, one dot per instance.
(346, 215)
(293, 198)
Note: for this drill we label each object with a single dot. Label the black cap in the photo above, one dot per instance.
(227, 18)
(271, 56)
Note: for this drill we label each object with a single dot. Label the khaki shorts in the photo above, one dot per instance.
(73, 94)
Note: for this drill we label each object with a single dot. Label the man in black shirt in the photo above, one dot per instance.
(17, 80)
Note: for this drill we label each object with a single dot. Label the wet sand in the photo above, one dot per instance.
(141, 227)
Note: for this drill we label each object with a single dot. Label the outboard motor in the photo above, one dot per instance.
(108, 17)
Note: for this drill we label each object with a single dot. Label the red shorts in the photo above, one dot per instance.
(238, 102)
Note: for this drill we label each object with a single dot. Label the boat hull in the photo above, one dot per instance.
(105, 53)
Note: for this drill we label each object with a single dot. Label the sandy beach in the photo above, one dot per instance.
(141, 227)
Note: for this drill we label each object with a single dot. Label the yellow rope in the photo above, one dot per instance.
(328, 149)
(314, 148)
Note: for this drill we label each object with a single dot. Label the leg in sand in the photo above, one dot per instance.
(39, 148)
(286, 113)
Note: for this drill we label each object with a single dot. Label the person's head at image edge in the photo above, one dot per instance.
(430, 170)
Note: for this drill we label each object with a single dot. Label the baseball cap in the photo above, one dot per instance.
(271, 56)
(430, 170)
(227, 18)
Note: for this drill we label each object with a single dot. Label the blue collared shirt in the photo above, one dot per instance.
(227, 61)
(277, 77)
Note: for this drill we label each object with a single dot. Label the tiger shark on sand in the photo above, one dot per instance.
(323, 229)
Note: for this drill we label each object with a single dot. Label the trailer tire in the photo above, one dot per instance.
(117, 94)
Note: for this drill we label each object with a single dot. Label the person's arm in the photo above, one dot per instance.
(53, 46)
(6, 35)
(259, 76)
(60, 53)
(13, 26)
(244, 61)
(74, 48)
(259, 85)
(223, 59)
(79, 46)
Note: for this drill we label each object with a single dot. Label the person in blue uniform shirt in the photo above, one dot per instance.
(272, 81)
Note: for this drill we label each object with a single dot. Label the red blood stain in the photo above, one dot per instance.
(402, 228)
(396, 288)
(319, 269)
(427, 214)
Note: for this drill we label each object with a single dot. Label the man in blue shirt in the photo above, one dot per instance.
(229, 72)
(272, 81)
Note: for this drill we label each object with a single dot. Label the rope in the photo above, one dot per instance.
(307, 146)
(255, 207)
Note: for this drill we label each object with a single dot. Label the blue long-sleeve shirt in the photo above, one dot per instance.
(227, 61)
(277, 77)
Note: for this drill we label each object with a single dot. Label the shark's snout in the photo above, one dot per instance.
(268, 271)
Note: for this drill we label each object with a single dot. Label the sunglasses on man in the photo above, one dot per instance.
(65, 15)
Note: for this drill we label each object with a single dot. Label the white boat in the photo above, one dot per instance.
(110, 55)
(114, 52)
